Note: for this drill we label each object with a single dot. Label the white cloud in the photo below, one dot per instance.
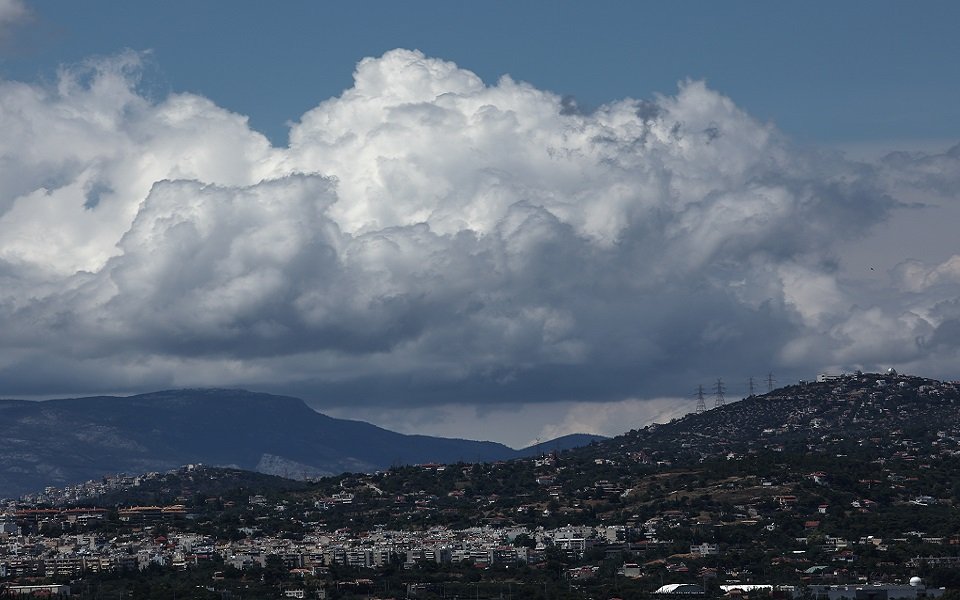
(429, 238)
(78, 159)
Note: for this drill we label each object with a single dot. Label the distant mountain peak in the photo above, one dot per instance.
(65, 441)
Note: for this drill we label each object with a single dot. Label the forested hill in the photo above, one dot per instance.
(889, 415)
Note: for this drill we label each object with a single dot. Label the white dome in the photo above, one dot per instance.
(916, 581)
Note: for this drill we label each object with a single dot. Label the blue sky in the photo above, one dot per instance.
(431, 237)
(833, 72)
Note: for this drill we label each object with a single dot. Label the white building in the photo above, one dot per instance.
(705, 549)
(915, 591)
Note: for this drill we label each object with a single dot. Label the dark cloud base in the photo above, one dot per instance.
(428, 238)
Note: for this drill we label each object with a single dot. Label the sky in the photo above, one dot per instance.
(502, 221)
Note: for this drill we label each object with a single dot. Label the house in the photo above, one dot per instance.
(705, 549)
(786, 501)
(631, 570)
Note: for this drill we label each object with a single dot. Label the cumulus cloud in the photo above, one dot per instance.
(427, 237)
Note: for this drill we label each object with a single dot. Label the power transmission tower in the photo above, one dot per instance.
(701, 405)
(770, 381)
(752, 387)
(718, 390)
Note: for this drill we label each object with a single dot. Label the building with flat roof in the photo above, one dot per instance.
(915, 591)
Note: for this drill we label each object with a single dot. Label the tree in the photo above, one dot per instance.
(524, 541)
(275, 571)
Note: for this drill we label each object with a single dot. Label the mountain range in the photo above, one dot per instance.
(844, 480)
(61, 442)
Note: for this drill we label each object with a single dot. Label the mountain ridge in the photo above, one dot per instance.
(67, 440)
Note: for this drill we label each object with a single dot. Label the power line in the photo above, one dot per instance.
(752, 387)
(718, 390)
(701, 405)
(770, 381)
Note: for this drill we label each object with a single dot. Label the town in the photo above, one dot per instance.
(812, 490)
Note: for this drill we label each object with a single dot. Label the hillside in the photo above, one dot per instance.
(844, 481)
(865, 434)
(881, 414)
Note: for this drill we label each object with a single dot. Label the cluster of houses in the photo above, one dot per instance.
(836, 410)
(26, 553)
(32, 555)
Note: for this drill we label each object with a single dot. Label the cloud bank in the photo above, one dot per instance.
(427, 238)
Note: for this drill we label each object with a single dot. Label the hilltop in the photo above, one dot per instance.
(881, 414)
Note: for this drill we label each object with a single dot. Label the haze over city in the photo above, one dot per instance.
(492, 221)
